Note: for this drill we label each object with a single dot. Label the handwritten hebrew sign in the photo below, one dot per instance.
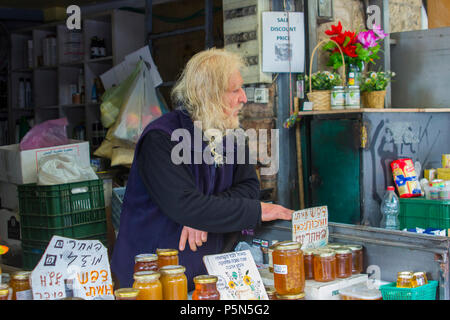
(310, 227)
(69, 264)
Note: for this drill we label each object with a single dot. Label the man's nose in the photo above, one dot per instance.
(243, 96)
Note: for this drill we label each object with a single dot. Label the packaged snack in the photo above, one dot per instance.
(405, 178)
(446, 161)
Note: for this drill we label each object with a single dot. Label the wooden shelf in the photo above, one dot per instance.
(369, 110)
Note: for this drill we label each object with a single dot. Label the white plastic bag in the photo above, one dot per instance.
(59, 169)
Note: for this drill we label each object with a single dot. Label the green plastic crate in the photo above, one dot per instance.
(423, 213)
(425, 292)
(73, 210)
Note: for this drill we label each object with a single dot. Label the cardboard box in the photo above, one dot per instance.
(10, 228)
(21, 167)
(9, 197)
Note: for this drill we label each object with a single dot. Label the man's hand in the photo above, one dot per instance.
(272, 212)
(194, 237)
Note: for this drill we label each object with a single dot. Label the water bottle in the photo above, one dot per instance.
(390, 208)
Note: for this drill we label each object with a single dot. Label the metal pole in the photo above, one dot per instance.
(209, 19)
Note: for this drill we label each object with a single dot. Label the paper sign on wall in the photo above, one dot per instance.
(239, 278)
(310, 227)
(84, 263)
(283, 42)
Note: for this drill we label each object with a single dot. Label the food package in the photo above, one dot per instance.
(446, 161)
(405, 178)
(443, 173)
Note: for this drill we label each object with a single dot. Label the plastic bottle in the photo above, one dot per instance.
(390, 208)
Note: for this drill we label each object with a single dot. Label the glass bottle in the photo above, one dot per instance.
(149, 285)
(205, 288)
(288, 268)
(174, 282)
(308, 262)
(167, 257)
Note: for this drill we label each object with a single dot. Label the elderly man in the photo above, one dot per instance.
(168, 204)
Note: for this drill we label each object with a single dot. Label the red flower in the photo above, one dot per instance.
(335, 30)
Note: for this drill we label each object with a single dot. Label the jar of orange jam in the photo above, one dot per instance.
(174, 282)
(419, 279)
(300, 296)
(324, 265)
(20, 285)
(344, 262)
(126, 294)
(149, 285)
(5, 292)
(357, 256)
(167, 257)
(288, 268)
(146, 262)
(405, 279)
(205, 288)
(308, 263)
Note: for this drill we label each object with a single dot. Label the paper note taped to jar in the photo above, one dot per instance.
(310, 227)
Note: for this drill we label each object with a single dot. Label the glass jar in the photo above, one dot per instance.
(344, 262)
(419, 279)
(308, 264)
(271, 293)
(334, 245)
(300, 296)
(324, 265)
(126, 294)
(146, 262)
(149, 285)
(338, 98)
(405, 279)
(5, 292)
(174, 282)
(167, 257)
(271, 248)
(352, 98)
(205, 288)
(357, 256)
(21, 287)
(288, 268)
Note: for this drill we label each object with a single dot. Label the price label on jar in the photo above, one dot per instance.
(280, 269)
(310, 227)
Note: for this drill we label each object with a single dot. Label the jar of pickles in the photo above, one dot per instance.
(324, 265)
(205, 288)
(288, 268)
(271, 293)
(344, 262)
(419, 279)
(405, 279)
(5, 292)
(300, 296)
(148, 284)
(146, 262)
(20, 285)
(126, 294)
(174, 282)
(357, 256)
(308, 263)
(167, 257)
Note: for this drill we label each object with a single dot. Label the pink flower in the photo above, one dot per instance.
(379, 32)
(368, 39)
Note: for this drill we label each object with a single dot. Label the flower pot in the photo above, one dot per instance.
(373, 99)
(321, 99)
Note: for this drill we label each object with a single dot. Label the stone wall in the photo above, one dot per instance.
(405, 15)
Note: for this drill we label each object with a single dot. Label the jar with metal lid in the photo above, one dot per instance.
(146, 262)
(288, 268)
(167, 257)
(334, 245)
(148, 284)
(174, 282)
(270, 254)
(338, 98)
(352, 98)
(20, 284)
(308, 263)
(126, 294)
(271, 293)
(5, 292)
(205, 288)
(299, 296)
(344, 262)
(357, 256)
(419, 279)
(324, 265)
(405, 279)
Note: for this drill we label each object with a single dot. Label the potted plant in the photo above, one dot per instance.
(320, 90)
(373, 88)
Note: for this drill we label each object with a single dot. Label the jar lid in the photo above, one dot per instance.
(353, 87)
(4, 289)
(343, 250)
(205, 279)
(126, 293)
(323, 253)
(274, 244)
(308, 252)
(172, 269)
(335, 245)
(166, 252)
(146, 257)
(354, 247)
(290, 296)
(339, 87)
(405, 274)
(288, 245)
(146, 275)
(21, 275)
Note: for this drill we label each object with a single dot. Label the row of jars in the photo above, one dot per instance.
(409, 279)
(18, 288)
(348, 97)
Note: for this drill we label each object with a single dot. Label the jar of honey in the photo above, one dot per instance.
(270, 254)
(300, 296)
(205, 288)
(288, 268)
(126, 294)
(405, 279)
(324, 265)
(419, 279)
(334, 245)
(167, 257)
(21, 287)
(5, 292)
(174, 282)
(344, 262)
(271, 293)
(149, 285)
(357, 256)
(146, 262)
(308, 263)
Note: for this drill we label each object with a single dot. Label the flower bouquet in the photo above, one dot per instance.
(373, 88)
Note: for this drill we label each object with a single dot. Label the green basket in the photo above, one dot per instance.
(425, 292)
(72, 210)
(423, 213)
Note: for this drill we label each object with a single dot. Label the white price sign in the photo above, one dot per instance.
(310, 227)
